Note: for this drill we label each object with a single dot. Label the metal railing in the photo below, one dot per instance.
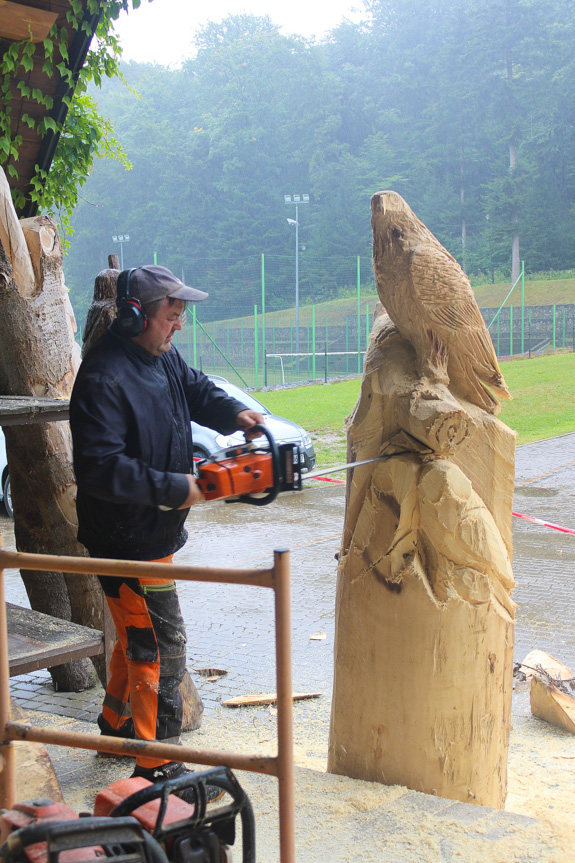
(281, 766)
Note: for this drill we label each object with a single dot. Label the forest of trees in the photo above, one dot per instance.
(465, 107)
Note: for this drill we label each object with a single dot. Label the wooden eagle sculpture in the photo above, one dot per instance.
(430, 300)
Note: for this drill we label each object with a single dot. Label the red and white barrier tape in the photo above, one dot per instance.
(544, 523)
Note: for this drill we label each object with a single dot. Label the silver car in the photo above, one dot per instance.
(5, 493)
(207, 441)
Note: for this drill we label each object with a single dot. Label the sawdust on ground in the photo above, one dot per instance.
(380, 820)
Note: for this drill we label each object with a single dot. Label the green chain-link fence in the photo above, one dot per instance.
(247, 332)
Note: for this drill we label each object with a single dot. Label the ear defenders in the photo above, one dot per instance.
(131, 319)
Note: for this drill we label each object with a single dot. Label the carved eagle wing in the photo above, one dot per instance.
(448, 307)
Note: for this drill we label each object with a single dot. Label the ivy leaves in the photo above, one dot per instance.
(84, 134)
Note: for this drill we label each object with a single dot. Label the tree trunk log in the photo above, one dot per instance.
(424, 618)
(38, 357)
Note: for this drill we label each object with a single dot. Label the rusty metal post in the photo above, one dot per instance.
(286, 778)
(7, 769)
(282, 766)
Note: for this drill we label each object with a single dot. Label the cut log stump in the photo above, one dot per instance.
(35, 774)
(550, 703)
(552, 692)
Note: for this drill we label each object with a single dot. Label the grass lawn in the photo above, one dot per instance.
(543, 390)
(543, 405)
(321, 409)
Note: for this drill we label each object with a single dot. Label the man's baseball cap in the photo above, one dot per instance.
(152, 282)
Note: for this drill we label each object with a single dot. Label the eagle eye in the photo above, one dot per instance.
(397, 233)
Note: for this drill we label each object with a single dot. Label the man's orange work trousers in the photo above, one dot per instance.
(148, 660)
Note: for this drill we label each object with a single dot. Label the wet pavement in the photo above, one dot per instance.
(232, 628)
(544, 559)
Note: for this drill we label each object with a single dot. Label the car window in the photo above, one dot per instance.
(3, 460)
(236, 393)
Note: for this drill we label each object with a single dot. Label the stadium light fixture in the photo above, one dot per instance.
(121, 239)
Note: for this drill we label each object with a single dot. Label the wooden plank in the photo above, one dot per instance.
(24, 410)
(17, 21)
(269, 698)
(36, 640)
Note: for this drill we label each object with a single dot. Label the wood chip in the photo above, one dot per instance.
(318, 636)
(269, 698)
(552, 705)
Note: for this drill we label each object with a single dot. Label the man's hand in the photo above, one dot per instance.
(246, 420)
(195, 493)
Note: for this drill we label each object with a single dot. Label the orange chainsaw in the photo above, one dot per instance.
(256, 473)
(252, 473)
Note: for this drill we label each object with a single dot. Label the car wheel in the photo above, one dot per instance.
(8, 498)
(198, 453)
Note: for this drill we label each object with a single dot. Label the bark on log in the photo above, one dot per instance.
(424, 618)
(39, 357)
(193, 706)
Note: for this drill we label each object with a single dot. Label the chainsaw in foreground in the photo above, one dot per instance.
(134, 821)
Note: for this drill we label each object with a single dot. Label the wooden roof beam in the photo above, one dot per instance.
(18, 21)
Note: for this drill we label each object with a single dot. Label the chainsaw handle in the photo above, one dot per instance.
(275, 454)
(67, 836)
(221, 777)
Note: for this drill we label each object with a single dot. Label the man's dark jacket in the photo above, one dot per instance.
(130, 417)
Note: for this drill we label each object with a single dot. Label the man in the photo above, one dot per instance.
(130, 414)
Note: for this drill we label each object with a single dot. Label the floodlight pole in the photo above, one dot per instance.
(297, 200)
(297, 286)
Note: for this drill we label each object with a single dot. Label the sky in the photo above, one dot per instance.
(162, 31)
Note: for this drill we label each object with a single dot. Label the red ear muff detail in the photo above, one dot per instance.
(131, 319)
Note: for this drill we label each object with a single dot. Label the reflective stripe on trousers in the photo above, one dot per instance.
(148, 660)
